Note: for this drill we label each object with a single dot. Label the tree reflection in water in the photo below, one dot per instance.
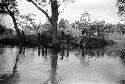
(53, 72)
(62, 53)
(44, 52)
(122, 82)
(54, 65)
(113, 53)
(53, 57)
(85, 57)
(122, 55)
(38, 50)
(95, 52)
(67, 51)
(12, 78)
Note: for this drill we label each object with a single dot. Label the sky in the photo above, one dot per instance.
(98, 10)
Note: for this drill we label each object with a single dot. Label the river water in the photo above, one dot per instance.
(77, 66)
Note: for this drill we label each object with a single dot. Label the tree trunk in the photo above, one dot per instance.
(54, 19)
(54, 32)
(16, 29)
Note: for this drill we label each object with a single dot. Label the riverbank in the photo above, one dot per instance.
(33, 41)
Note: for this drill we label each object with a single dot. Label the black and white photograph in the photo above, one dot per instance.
(62, 41)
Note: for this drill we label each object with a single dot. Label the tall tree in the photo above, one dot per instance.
(53, 18)
(9, 7)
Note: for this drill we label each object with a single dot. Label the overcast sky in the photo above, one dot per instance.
(98, 9)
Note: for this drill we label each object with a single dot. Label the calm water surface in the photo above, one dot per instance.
(45, 66)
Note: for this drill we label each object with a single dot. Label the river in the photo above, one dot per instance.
(77, 66)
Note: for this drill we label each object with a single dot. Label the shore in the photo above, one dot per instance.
(32, 41)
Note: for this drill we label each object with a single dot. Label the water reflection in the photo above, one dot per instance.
(1, 51)
(110, 52)
(53, 73)
(122, 55)
(38, 50)
(12, 78)
(87, 56)
(44, 52)
(49, 66)
(94, 53)
(20, 53)
(122, 82)
(62, 54)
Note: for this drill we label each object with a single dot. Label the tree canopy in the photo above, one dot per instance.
(121, 8)
(8, 7)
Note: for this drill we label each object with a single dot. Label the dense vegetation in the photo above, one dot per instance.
(69, 33)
